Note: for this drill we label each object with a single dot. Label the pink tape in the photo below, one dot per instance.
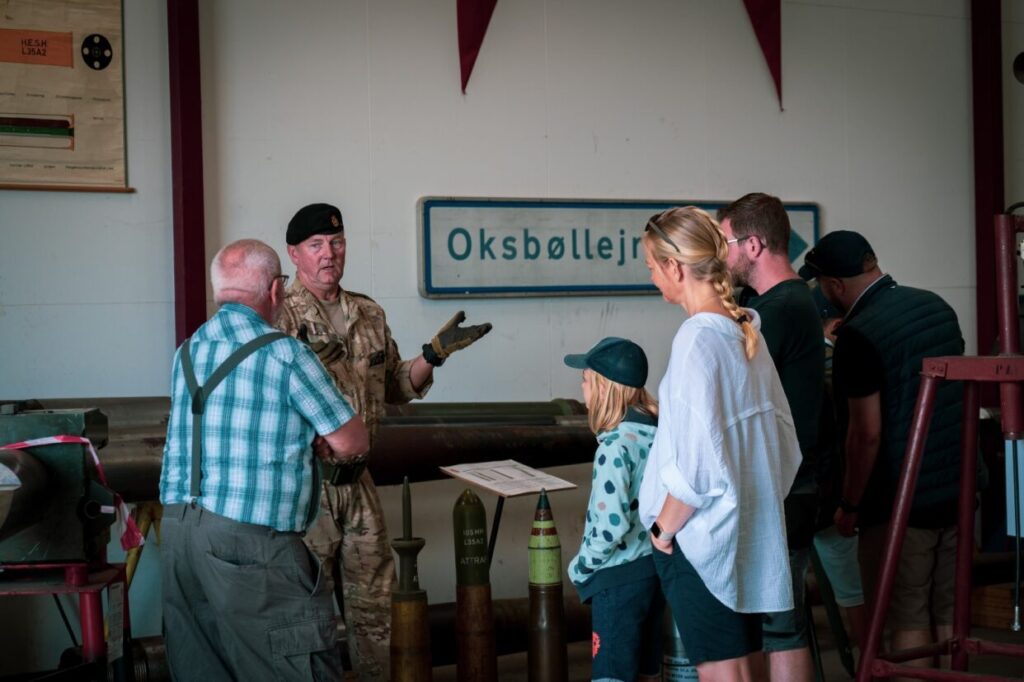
(130, 535)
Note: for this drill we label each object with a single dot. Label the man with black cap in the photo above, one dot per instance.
(350, 334)
(757, 229)
(886, 332)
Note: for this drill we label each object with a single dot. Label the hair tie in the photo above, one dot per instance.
(742, 318)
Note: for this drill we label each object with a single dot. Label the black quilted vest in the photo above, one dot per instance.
(906, 325)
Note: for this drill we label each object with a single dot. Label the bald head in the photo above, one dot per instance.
(244, 272)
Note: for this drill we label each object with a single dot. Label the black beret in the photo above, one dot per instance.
(314, 219)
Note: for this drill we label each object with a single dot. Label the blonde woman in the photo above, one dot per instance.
(723, 459)
(614, 569)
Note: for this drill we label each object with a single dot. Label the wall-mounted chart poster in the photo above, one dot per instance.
(62, 95)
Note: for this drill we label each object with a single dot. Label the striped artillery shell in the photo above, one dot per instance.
(546, 657)
(545, 549)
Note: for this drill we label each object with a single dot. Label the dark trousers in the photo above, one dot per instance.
(243, 602)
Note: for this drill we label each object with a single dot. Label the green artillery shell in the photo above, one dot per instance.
(470, 522)
(545, 549)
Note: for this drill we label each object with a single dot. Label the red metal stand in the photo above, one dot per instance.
(1006, 370)
(972, 371)
(88, 582)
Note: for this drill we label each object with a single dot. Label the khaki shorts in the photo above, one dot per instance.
(923, 593)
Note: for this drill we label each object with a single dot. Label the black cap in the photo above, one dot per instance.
(314, 219)
(617, 359)
(837, 254)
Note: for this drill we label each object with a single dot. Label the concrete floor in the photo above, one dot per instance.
(512, 668)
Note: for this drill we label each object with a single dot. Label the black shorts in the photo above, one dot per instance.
(627, 638)
(710, 631)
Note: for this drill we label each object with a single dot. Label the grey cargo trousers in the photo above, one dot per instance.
(243, 602)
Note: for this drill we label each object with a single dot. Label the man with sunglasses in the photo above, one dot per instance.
(350, 334)
(756, 227)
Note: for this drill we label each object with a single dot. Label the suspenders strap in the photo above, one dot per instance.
(199, 394)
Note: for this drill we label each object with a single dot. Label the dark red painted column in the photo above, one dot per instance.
(987, 73)
(186, 167)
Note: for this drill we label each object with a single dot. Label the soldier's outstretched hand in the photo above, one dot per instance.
(452, 337)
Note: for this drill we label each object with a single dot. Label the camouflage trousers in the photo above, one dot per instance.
(349, 534)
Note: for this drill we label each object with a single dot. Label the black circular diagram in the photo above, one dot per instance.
(97, 52)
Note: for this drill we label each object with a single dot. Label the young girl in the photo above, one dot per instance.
(614, 569)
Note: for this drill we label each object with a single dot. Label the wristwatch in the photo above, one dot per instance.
(848, 507)
(658, 534)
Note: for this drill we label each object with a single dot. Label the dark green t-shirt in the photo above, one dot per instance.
(792, 329)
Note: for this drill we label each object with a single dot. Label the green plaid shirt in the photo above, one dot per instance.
(257, 427)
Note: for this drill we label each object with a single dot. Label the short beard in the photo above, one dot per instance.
(741, 273)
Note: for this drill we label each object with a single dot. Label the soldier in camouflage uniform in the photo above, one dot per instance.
(350, 334)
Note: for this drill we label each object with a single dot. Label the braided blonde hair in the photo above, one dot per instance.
(690, 236)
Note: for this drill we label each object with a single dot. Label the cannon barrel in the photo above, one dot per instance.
(23, 480)
(414, 439)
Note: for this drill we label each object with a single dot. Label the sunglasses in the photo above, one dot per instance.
(651, 225)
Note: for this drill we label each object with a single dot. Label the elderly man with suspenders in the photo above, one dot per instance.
(243, 598)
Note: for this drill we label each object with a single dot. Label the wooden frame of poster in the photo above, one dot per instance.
(62, 108)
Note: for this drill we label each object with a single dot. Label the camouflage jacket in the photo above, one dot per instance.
(369, 371)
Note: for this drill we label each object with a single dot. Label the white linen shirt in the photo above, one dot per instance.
(726, 445)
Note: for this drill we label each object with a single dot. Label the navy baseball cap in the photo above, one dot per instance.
(617, 359)
(837, 254)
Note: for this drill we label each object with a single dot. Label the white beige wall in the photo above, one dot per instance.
(86, 281)
(358, 103)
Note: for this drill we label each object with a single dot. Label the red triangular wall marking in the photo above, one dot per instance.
(473, 16)
(766, 17)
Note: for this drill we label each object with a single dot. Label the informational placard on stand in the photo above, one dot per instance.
(507, 478)
(62, 95)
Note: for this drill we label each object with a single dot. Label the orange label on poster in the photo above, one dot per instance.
(47, 48)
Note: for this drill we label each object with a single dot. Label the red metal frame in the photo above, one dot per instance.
(87, 581)
(987, 107)
(1006, 370)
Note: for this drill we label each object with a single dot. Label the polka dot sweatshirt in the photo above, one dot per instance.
(613, 535)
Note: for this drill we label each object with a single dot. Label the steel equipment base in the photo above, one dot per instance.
(1004, 370)
(88, 581)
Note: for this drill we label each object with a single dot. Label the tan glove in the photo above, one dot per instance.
(327, 351)
(451, 337)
